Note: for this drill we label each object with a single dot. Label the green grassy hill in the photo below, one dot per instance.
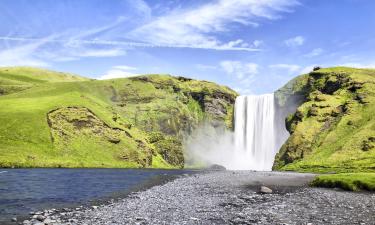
(333, 128)
(51, 119)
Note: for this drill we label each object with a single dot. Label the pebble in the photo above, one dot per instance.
(265, 190)
(40, 218)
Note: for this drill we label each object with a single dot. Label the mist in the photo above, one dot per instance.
(259, 133)
(208, 145)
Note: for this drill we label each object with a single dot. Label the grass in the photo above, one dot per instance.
(332, 140)
(123, 109)
(346, 181)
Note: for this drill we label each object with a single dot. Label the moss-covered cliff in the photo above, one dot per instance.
(331, 121)
(51, 119)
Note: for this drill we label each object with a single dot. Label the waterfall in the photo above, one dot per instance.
(259, 132)
(255, 132)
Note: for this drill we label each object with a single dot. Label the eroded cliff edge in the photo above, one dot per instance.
(330, 115)
(52, 119)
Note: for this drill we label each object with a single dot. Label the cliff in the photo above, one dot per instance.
(330, 117)
(52, 119)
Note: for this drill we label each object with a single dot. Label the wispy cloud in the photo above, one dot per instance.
(295, 41)
(258, 43)
(65, 46)
(196, 27)
(360, 65)
(291, 68)
(307, 69)
(24, 55)
(121, 71)
(239, 69)
(102, 53)
(314, 52)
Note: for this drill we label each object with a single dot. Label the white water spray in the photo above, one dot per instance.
(254, 143)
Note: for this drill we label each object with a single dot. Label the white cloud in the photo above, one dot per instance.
(24, 55)
(244, 91)
(195, 27)
(314, 52)
(290, 67)
(124, 67)
(307, 69)
(121, 71)
(360, 65)
(101, 53)
(40, 52)
(257, 43)
(368, 65)
(243, 71)
(295, 41)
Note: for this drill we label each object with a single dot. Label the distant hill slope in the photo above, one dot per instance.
(333, 128)
(14, 79)
(51, 119)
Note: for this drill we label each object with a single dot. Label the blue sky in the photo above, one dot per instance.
(252, 46)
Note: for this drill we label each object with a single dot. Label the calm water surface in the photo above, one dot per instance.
(26, 190)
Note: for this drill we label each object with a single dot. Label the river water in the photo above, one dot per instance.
(26, 190)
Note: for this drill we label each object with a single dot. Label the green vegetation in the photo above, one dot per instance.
(333, 130)
(346, 181)
(333, 127)
(52, 119)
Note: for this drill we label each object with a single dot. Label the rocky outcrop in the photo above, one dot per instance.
(173, 107)
(77, 125)
(83, 122)
(329, 115)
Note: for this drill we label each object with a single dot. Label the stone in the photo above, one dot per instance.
(216, 167)
(14, 219)
(367, 145)
(40, 218)
(38, 223)
(313, 111)
(48, 221)
(114, 140)
(316, 68)
(265, 190)
(361, 98)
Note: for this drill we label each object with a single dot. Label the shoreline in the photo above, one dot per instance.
(147, 179)
(230, 197)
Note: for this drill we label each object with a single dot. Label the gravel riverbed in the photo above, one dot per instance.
(227, 197)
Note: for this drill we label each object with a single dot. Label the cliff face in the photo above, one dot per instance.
(330, 115)
(51, 119)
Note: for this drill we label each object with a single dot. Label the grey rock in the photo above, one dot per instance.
(40, 218)
(265, 190)
(49, 221)
(216, 167)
